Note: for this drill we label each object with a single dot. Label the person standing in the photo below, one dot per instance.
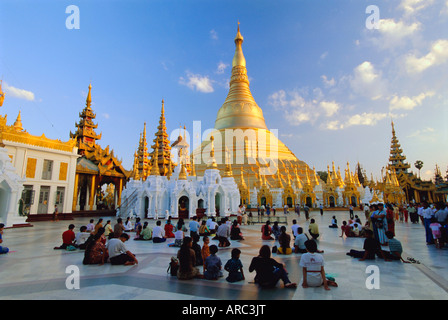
(55, 213)
(351, 212)
(426, 214)
(321, 207)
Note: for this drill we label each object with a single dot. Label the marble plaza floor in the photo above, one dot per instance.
(33, 270)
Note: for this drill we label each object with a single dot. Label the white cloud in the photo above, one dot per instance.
(221, 67)
(330, 107)
(367, 81)
(333, 125)
(366, 119)
(411, 7)
(392, 33)
(297, 108)
(328, 82)
(213, 34)
(437, 55)
(408, 103)
(197, 82)
(18, 93)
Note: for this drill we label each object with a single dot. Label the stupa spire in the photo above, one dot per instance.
(2, 94)
(239, 109)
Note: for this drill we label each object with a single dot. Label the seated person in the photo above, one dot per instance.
(68, 238)
(203, 229)
(334, 223)
(313, 229)
(371, 248)
(284, 241)
(169, 230)
(268, 271)
(234, 267)
(212, 265)
(145, 233)
(158, 233)
(299, 243)
(118, 254)
(81, 238)
(346, 229)
(3, 250)
(395, 248)
(235, 232)
(313, 270)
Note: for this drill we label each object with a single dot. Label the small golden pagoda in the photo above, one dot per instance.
(350, 194)
(330, 194)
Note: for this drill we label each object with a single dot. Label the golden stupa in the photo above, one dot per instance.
(242, 138)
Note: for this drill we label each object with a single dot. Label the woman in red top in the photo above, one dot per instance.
(266, 231)
(169, 230)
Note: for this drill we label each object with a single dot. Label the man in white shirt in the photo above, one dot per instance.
(294, 228)
(118, 254)
(158, 234)
(81, 237)
(426, 213)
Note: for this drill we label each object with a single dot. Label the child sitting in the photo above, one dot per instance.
(212, 265)
(234, 267)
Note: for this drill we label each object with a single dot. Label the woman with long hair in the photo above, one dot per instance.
(187, 261)
(96, 252)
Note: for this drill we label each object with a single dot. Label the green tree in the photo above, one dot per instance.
(419, 165)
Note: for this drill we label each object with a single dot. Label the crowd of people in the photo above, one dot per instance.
(103, 243)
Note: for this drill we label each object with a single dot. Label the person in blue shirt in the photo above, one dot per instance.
(3, 250)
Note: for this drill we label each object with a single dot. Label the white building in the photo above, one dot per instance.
(47, 168)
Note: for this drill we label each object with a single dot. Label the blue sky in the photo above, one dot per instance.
(328, 83)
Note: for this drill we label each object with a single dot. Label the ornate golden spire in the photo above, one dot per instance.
(89, 97)
(183, 172)
(163, 143)
(239, 109)
(155, 171)
(212, 163)
(18, 123)
(228, 169)
(2, 94)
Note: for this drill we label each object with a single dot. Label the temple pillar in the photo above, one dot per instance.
(92, 193)
(75, 194)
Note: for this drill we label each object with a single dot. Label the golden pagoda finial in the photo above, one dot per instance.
(18, 123)
(89, 97)
(183, 172)
(228, 169)
(238, 58)
(212, 164)
(193, 169)
(2, 94)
